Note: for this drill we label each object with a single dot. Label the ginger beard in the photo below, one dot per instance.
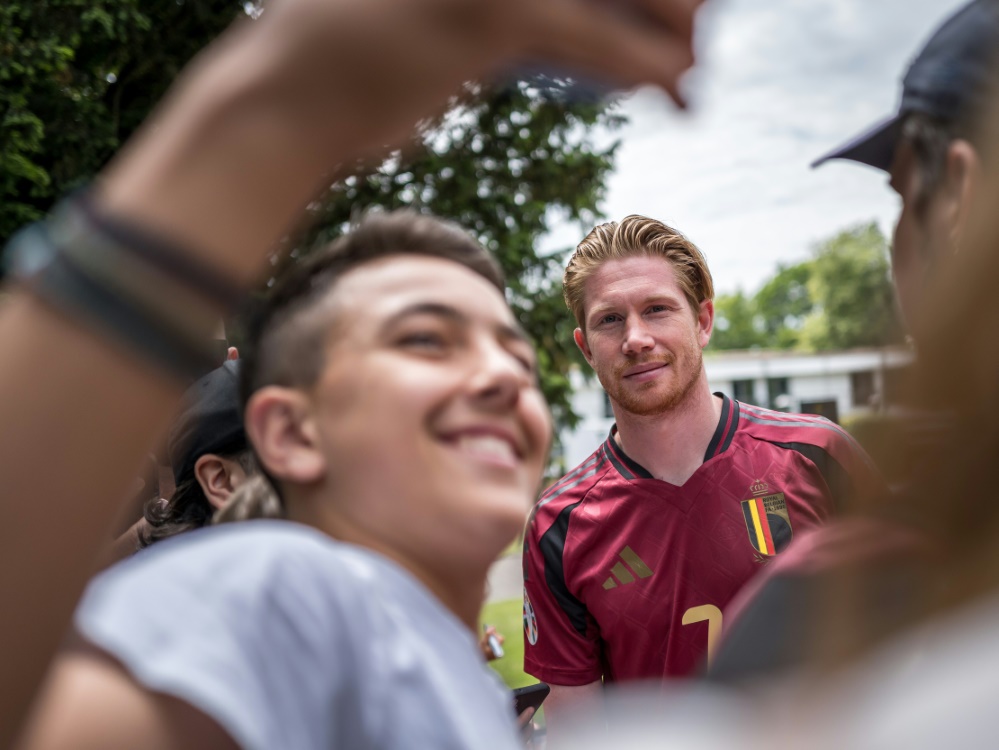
(662, 394)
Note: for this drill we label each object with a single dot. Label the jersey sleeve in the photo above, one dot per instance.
(236, 630)
(561, 642)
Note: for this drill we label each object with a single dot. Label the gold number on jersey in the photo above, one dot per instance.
(713, 615)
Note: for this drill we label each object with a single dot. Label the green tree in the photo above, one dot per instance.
(851, 287)
(783, 304)
(737, 326)
(76, 79)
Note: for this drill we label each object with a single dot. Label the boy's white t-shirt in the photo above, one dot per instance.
(291, 640)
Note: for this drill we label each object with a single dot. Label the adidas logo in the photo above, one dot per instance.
(628, 567)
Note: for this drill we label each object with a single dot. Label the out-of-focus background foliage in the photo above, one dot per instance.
(840, 298)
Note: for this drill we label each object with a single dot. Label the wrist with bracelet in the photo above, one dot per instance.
(125, 283)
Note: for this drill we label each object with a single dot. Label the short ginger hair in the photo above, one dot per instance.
(636, 236)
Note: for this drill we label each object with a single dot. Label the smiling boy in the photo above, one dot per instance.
(393, 399)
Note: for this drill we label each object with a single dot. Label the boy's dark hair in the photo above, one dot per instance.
(286, 333)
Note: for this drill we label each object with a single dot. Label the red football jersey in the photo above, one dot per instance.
(626, 576)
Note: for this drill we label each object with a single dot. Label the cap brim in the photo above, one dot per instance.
(875, 147)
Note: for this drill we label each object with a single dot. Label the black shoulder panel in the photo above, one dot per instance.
(552, 546)
(837, 479)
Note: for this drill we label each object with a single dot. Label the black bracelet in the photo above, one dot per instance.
(53, 277)
(159, 253)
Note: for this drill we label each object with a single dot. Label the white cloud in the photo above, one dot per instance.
(779, 83)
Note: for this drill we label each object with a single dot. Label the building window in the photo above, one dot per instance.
(608, 409)
(827, 409)
(862, 386)
(742, 390)
(777, 387)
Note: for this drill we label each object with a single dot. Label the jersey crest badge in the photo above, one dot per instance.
(530, 622)
(767, 522)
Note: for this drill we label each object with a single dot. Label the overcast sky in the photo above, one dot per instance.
(779, 83)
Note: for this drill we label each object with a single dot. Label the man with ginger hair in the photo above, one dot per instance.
(631, 557)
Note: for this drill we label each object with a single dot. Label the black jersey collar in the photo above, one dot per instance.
(728, 423)
(626, 466)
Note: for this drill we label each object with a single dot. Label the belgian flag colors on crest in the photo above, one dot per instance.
(768, 523)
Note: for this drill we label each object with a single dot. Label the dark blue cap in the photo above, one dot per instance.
(951, 80)
(211, 421)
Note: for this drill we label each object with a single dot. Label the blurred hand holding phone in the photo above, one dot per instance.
(530, 696)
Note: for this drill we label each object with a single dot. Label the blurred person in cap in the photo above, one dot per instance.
(931, 147)
(932, 151)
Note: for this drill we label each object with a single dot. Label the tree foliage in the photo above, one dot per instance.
(78, 77)
(783, 303)
(842, 297)
(736, 322)
(850, 285)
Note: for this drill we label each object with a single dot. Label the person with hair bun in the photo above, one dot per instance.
(209, 455)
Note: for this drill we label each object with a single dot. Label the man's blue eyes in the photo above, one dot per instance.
(614, 318)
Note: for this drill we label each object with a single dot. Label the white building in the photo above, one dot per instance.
(838, 385)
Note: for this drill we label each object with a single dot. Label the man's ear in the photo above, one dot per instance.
(705, 322)
(580, 338)
(280, 425)
(962, 183)
(218, 477)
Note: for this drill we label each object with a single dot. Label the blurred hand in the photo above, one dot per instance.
(486, 646)
(527, 727)
(390, 62)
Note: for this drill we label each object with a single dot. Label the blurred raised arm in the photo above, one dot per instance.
(247, 136)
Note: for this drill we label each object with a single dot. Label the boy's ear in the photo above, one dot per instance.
(280, 426)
